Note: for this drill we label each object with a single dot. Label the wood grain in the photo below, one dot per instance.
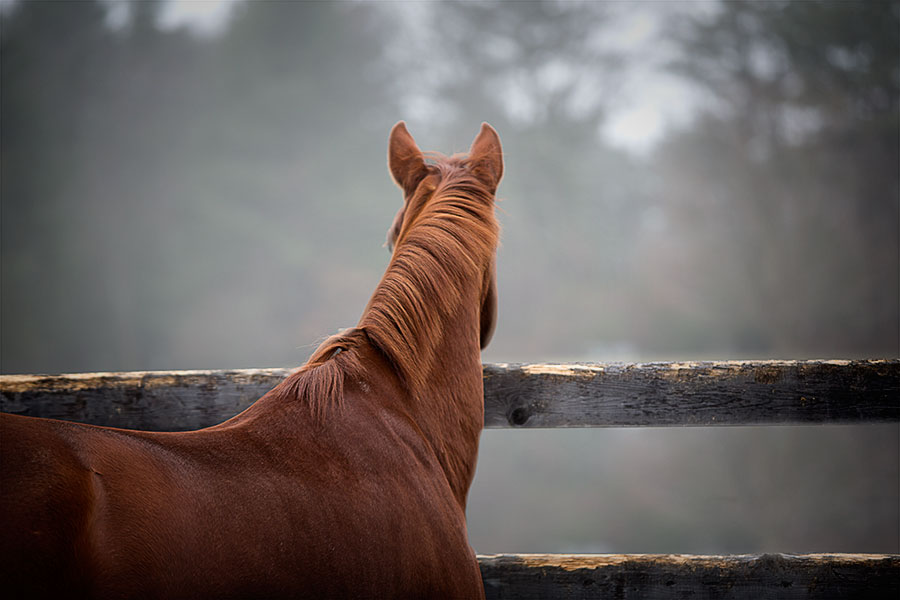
(151, 400)
(692, 393)
(648, 576)
(516, 395)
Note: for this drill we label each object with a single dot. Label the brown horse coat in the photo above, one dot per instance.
(349, 479)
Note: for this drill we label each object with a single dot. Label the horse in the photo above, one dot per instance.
(348, 479)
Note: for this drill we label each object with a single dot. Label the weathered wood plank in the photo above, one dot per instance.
(567, 395)
(153, 401)
(652, 577)
(696, 393)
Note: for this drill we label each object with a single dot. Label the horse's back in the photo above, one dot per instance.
(357, 506)
(45, 510)
(380, 519)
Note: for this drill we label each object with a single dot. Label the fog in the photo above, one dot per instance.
(189, 185)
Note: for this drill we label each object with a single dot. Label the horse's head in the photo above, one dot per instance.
(419, 179)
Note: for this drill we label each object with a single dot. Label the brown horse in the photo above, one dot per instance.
(348, 479)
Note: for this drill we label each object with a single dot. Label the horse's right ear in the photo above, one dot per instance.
(486, 157)
(405, 160)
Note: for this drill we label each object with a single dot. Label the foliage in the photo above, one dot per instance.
(788, 182)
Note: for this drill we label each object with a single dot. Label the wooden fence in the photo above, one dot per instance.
(565, 395)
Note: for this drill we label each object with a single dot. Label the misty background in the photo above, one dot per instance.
(203, 185)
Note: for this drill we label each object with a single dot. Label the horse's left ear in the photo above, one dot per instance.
(486, 157)
(405, 160)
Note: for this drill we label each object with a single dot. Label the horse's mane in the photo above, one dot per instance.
(449, 231)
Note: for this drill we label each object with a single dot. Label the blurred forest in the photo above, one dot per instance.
(175, 199)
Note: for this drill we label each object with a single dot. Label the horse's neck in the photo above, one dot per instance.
(450, 406)
(447, 406)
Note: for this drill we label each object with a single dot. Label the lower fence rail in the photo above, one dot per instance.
(651, 576)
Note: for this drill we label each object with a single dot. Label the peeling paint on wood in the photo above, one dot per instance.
(570, 370)
(648, 576)
(516, 395)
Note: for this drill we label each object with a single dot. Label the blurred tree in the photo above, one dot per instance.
(541, 73)
(295, 108)
(788, 181)
(157, 186)
(49, 61)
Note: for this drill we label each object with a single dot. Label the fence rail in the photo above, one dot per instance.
(515, 395)
(568, 395)
(657, 576)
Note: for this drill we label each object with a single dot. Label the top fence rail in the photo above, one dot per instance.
(516, 395)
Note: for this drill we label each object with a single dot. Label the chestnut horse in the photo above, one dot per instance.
(348, 479)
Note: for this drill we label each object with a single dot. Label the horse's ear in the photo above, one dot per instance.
(405, 160)
(486, 157)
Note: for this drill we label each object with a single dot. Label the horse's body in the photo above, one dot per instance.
(348, 479)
